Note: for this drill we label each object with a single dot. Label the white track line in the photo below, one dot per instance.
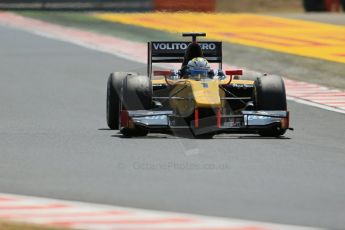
(321, 106)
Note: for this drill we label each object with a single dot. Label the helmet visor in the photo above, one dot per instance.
(199, 73)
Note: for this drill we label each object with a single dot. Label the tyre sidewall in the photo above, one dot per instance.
(114, 95)
(270, 95)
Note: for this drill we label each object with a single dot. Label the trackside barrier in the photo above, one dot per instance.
(200, 5)
(323, 5)
(114, 5)
(174, 5)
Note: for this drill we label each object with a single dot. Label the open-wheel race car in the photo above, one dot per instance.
(195, 98)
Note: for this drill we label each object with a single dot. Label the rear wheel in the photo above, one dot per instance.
(270, 95)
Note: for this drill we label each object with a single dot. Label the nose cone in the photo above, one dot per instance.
(206, 93)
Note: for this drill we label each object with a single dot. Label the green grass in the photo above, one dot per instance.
(318, 71)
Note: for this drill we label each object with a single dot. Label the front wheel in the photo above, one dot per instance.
(114, 86)
(270, 95)
(137, 95)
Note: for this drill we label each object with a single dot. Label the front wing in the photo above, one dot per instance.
(165, 121)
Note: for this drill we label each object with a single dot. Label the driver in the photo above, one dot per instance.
(199, 68)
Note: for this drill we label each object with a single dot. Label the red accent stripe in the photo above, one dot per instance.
(161, 72)
(196, 118)
(124, 118)
(234, 72)
(218, 117)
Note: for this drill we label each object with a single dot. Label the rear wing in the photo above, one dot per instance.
(174, 52)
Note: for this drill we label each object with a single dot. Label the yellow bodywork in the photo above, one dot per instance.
(188, 94)
(206, 93)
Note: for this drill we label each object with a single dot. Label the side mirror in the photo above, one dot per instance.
(162, 73)
(234, 72)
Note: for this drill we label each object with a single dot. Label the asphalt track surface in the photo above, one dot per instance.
(54, 143)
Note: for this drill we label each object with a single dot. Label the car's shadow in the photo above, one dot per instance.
(254, 137)
(150, 136)
(190, 136)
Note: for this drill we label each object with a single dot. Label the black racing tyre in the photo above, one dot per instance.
(137, 95)
(270, 95)
(114, 86)
(314, 5)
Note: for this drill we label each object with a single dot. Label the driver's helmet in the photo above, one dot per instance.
(198, 68)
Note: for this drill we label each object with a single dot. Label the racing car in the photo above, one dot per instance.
(195, 98)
